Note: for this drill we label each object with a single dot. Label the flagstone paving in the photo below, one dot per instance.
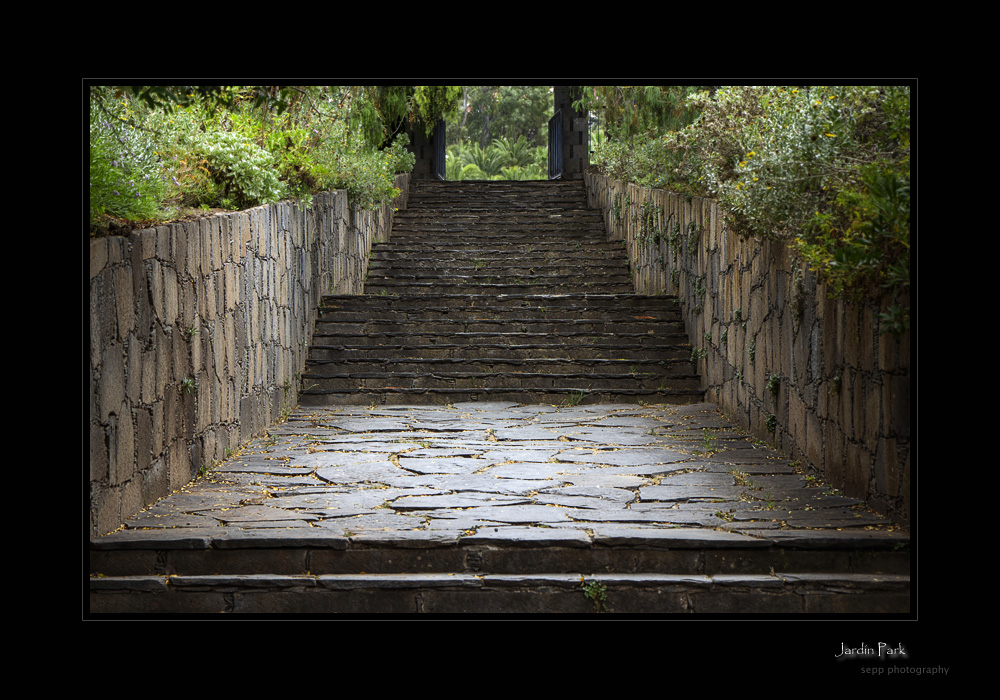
(505, 472)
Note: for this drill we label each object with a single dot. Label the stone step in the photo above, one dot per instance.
(585, 277)
(524, 570)
(641, 321)
(606, 343)
(473, 257)
(564, 395)
(779, 593)
(470, 267)
(592, 352)
(486, 290)
(442, 326)
(568, 286)
(578, 303)
(495, 374)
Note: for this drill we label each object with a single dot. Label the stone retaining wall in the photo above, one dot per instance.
(199, 331)
(810, 375)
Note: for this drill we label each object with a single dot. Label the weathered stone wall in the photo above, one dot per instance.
(199, 331)
(813, 376)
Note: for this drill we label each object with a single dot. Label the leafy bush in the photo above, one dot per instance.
(245, 172)
(346, 160)
(823, 168)
(157, 152)
(126, 178)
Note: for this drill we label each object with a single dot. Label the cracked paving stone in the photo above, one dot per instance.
(364, 500)
(507, 514)
(372, 521)
(611, 535)
(444, 452)
(200, 499)
(683, 493)
(540, 471)
(663, 516)
(614, 495)
(461, 524)
(330, 458)
(430, 465)
(274, 467)
(369, 425)
(372, 472)
(613, 436)
(542, 536)
(249, 514)
(624, 457)
(170, 519)
(520, 455)
(453, 500)
(573, 501)
(599, 478)
(526, 433)
(698, 478)
(465, 482)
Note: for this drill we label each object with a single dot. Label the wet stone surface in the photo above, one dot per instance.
(568, 475)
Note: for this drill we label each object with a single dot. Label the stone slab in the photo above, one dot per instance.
(426, 476)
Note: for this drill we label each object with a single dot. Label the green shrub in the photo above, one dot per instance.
(126, 179)
(245, 172)
(825, 169)
(346, 161)
(157, 158)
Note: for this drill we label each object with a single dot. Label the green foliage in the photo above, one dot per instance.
(597, 593)
(346, 160)
(509, 112)
(126, 177)
(158, 152)
(245, 172)
(435, 101)
(501, 160)
(635, 113)
(825, 169)
(862, 243)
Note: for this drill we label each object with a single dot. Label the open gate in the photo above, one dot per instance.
(556, 146)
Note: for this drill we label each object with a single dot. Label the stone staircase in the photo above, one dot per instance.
(448, 455)
(499, 291)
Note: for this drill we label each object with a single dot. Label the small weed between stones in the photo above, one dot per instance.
(596, 593)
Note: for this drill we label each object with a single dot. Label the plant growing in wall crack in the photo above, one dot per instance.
(773, 384)
(699, 294)
(649, 214)
(694, 232)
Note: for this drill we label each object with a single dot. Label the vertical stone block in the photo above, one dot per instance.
(98, 452)
(111, 387)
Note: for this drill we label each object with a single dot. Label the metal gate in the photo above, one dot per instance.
(440, 166)
(556, 146)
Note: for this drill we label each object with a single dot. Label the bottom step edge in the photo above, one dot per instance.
(465, 593)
